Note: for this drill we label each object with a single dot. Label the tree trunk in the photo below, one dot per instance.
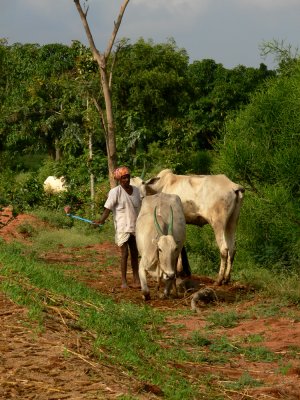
(92, 176)
(57, 150)
(111, 137)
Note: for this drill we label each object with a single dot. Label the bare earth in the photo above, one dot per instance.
(58, 362)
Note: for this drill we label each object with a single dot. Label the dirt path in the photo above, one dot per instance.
(58, 362)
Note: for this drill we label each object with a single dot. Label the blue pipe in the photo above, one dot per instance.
(83, 219)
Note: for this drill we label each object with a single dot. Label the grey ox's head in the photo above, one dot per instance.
(146, 188)
(168, 250)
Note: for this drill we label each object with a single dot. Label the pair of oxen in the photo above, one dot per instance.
(169, 203)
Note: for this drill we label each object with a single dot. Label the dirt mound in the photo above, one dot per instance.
(16, 227)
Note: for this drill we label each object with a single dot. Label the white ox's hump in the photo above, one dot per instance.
(164, 172)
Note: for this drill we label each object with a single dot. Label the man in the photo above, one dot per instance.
(124, 202)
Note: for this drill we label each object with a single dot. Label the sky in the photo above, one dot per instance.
(230, 32)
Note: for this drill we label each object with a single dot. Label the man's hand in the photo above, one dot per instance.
(97, 223)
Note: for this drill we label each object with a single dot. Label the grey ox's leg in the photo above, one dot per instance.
(222, 244)
(143, 280)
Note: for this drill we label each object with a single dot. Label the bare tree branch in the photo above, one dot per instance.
(85, 24)
(113, 64)
(116, 28)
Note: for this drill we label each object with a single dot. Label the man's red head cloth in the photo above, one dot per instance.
(121, 171)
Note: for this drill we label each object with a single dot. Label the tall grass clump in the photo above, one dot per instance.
(202, 250)
(68, 232)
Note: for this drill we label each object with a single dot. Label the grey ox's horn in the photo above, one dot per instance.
(158, 228)
(170, 228)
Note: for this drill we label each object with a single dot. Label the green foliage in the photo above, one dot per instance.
(260, 149)
(158, 99)
(22, 191)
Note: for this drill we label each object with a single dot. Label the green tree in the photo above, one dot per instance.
(150, 95)
(37, 96)
(217, 91)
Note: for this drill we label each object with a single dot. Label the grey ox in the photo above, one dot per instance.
(160, 235)
(206, 199)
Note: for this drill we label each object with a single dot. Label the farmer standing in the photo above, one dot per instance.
(124, 202)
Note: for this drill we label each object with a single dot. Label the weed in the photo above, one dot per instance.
(66, 353)
(245, 381)
(26, 229)
(199, 340)
(259, 354)
(284, 368)
(266, 310)
(254, 338)
(225, 320)
(294, 351)
(223, 345)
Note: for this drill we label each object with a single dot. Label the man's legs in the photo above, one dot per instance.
(134, 261)
(124, 257)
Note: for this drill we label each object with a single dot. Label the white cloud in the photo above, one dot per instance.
(268, 4)
(174, 6)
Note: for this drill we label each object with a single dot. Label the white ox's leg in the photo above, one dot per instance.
(230, 231)
(230, 242)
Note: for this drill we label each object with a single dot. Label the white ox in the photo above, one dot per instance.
(55, 185)
(206, 199)
(160, 234)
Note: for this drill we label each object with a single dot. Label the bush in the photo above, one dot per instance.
(22, 191)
